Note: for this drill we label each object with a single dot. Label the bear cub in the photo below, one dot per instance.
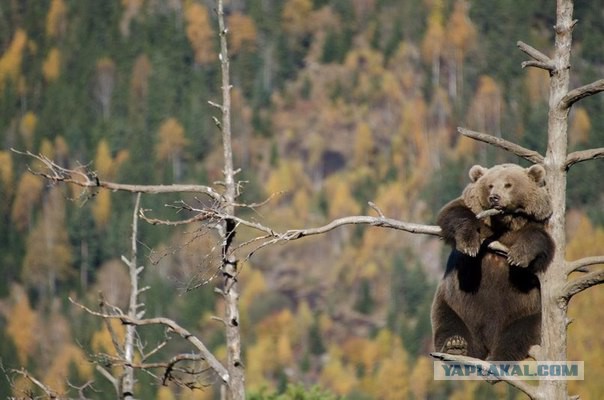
(488, 304)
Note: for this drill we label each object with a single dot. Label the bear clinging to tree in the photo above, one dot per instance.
(488, 304)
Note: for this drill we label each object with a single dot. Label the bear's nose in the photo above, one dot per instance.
(494, 199)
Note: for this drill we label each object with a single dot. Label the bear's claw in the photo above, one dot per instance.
(455, 345)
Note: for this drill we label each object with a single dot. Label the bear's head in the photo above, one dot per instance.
(510, 188)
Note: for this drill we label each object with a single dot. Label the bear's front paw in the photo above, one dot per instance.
(468, 243)
(455, 345)
(520, 255)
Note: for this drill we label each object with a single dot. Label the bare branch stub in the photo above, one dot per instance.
(583, 155)
(581, 92)
(513, 148)
(540, 60)
(580, 284)
(581, 264)
(530, 391)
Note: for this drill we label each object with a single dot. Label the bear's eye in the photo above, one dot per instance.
(507, 185)
(491, 186)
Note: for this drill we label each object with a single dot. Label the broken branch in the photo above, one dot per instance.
(513, 148)
(580, 284)
(583, 155)
(581, 92)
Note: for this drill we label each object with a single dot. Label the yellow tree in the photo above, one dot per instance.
(27, 127)
(432, 44)
(28, 195)
(171, 145)
(580, 127)
(461, 36)
(56, 19)
(244, 32)
(199, 33)
(51, 68)
(104, 165)
(484, 114)
(139, 84)
(131, 10)
(6, 170)
(363, 146)
(295, 16)
(22, 324)
(48, 252)
(10, 61)
(104, 84)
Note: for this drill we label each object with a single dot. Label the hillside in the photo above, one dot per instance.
(335, 103)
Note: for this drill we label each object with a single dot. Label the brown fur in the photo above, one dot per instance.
(489, 306)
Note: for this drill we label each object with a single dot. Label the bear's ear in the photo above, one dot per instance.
(476, 172)
(537, 174)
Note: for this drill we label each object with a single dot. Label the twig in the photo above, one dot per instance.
(530, 391)
(581, 92)
(109, 377)
(376, 208)
(513, 148)
(81, 389)
(583, 155)
(488, 213)
(185, 334)
(52, 394)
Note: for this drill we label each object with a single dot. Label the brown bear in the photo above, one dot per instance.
(488, 305)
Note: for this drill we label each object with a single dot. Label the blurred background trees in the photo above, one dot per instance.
(336, 103)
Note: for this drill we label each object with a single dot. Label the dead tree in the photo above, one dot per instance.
(223, 200)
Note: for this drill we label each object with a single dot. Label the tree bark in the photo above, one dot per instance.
(554, 311)
(235, 389)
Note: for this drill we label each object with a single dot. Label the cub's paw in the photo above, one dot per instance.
(455, 345)
(520, 255)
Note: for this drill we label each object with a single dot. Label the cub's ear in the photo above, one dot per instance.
(476, 172)
(537, 174)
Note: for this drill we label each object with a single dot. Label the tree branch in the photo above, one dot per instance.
(110, 378)
(52, 394)
(529, 390)
(578, 265)
(581, 92)
(583, 155)
(293, 234)
(185, 334)
(513, 148)
(580, 284)
(88, 180)
(541, 60)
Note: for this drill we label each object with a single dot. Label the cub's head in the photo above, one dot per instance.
(510, 188)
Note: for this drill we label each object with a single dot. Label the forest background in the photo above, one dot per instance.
(335, 103)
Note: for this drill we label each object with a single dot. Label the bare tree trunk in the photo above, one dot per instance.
(127, 390)
(235, 389)
(554, 320)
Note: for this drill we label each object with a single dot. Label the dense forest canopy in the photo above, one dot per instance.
(335, 103)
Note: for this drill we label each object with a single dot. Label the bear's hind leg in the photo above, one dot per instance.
(517, 338)
(451, 335)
